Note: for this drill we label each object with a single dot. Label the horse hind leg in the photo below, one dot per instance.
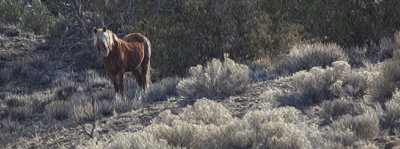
(138, 91)
(145, 71)
(139, 82)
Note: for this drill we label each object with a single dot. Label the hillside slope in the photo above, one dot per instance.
(46, 94)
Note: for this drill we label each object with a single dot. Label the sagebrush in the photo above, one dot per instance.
(307, 56)
(215, 80)
(319, 84)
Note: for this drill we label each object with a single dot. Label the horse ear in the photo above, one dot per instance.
(104, 28)
(94, 30)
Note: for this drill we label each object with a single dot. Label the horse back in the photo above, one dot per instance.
(136, 50)
(137, 37)
(134, 37)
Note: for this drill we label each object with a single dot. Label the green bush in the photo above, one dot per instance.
(11, 11)
(32, 16)
(348, 23)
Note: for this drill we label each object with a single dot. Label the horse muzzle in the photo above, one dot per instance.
(105, 52)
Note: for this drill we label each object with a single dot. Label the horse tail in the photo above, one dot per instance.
(146, 64)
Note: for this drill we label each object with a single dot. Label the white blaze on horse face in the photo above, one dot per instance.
(106, 38)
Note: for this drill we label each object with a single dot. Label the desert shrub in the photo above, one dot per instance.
(320, 84)
(392, 106)
(104, 107)
(364, 126)
(21, 113)
(82, 108)
(16, 102)
(384, 49)
(305, 57)
(362, 144)
(162, 90)
(140, 140)
(261, 69)
(10, 125)
(284, 127)
(385, 83)
(387, 47)
(335, 108)
(83, 111)
(216, 80)
(96, 81)
(203, 111)
(391, 117)
(211, 113)
(354, 84)
(58, 110)
(282, 135)
(357, 56)
(338, 138)
(208, 124)
(285, 114)
(6, 74)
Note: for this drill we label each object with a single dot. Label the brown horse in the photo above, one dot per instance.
(123, 55)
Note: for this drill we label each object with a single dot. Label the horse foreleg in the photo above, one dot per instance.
(121, 78)
(114, 80)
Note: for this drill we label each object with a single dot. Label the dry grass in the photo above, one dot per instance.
(58, 110)
(162, 90)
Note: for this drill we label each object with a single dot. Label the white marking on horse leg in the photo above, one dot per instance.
(137, 92)
(143, 94)
(118, 96)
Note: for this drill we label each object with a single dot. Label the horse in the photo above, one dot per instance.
(128, 54)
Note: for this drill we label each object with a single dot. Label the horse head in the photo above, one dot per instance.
(103, 40)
